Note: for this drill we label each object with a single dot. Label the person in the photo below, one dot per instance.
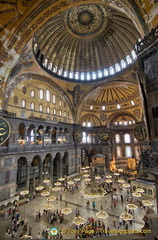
(93, 205)
(38, 236)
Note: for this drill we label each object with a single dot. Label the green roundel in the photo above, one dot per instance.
(78, 135)
(4, 130)
(140, 133)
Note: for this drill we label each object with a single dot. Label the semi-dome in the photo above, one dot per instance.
(86, 43)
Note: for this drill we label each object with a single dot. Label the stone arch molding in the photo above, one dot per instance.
(42, 11)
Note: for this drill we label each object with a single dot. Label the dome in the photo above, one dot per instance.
(86, 43)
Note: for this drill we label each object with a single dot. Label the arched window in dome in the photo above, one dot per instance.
(112, 71)
(65, 73)
(82, 76)
(32, 106)
(133, 53)
(45, 62)
(54, 99)
(89, 124)
(32, 93)
(55, 69)
(71, 74)
(128, 152)
(47, 95)
(100, 74)
(35, 47)
(88, 76)
(117, 67)
(41, 108)
(117, 138)
(127, 138)
(23, 103)
(106, 73)
(76, 75)
(129, 60)
(123, 63)
(50, 66)
(118, 152)
(93, 75)
(84, 137)
(60, 71)
(41, 94)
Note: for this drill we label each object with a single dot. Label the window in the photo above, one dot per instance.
(65, 114)
(91, 107)
(50, 66)
(133, 53)
(76, 75)
(47, 95)
(82, 76)
(128, 152)
(84, 137)
(32, 93)
(106, 72)
(123, 64)
(118, 106)
(127, 138)
(88, 76)
(103, 108)
(41, 108)
(94, 75)
(60, 103)
(47, 109)
(117, 67)
(54, 111)
(117, 138)
(132, 103)
(99, 74)
(60, 113)
(89, 124)
(23, 103)
(129, 60)
(41, 93)
(118, 152)
(70, 75)
(54, 99)
(112, 70)
(32, 106)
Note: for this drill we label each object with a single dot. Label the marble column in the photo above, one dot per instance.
(34, 177)
(40, 173)
(156, 188)
(51, 172)
(27, 183)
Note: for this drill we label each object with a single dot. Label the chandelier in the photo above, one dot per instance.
(126, 216)
(108, 176)
(70, 182)
(132, 206)
(121, 181)
(55, 189)
(116, 174)
(136, 194)
(39, 188)
(126, 185)
(108, 180)
(86, 175)
(48, 207)
(120, 170)
(61, 179)
(147, 203)
(24, 192)
(77, 179)
(97, 177)
(51, 199)
(87, 179)
(46, 181)
(78, 220)
(45, 193)
(102, 214)
(140, 190)
(57, 184)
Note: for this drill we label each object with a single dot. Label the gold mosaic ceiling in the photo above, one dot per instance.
(85, 39)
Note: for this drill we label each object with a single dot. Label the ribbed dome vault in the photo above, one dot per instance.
(86, 42)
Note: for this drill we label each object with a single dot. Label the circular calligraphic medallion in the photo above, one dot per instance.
(140, 133)
(78, 135)
(104, 135)
(54, 231)
(4, 130)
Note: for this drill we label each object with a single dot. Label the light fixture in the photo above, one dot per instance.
(51, 199)
(126, 185)
(108, 180)
(120, 170)
(140, 190)
(78, 220)
(136, 194)
(102, 214)
(108, 176)
(85, 171)
(61, 179)
(126, 216)
(45, 193)
(147, 203)
(46, 181)
(121, 180)
(48, 207)
(116, 174)
(39, 188)
(70, 182)
(77, 179)
(55, 189)
(66, 210)
(97, 177)
(24, 192)
(86, 175)
(87, 179)
(132, 206)
(57, 184)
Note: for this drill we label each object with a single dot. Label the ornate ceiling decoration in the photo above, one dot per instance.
(86, 43)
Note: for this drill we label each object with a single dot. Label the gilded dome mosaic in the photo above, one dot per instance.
(89, 42)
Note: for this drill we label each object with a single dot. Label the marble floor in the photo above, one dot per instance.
(75, 201)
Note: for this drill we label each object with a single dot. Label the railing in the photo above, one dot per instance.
(148, 161)
(148, 40)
